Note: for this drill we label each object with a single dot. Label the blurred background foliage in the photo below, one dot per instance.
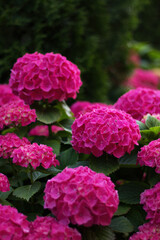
(96, 35)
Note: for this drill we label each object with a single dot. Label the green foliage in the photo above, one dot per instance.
(121, 224)
(92, 34)
(98, 233)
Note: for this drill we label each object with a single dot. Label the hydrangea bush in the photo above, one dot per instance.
(86, 173)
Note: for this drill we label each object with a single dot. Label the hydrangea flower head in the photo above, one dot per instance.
(150, 198)
(5, 88)
(140, 101)
(35, 155)
(47, 228)
(144, 79)
(81, 196)
(13, 225)
(4, 183)
(149, 155)
(50, 76)
(9, 142)
(42, 130)
(16, 113)
(105, 130)
(147, 231)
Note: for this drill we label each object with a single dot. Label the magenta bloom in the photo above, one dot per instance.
(144, 79)
(47, 228)
(150, 198)
(13, 225)
(4, 183)
(147, 231)
(138, 102)
(5, 89)
(150, 155)
(42, 130)
(35, 155)
(16, 113)
(50, 76)
(105, 130)
(9, 142)
(81, 196)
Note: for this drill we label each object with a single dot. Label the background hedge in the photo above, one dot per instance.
(92, 34)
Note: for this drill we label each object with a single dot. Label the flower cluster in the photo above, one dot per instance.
(105, 129)
(50, 76)
(138, 102)
(5, 88)
(15, 113)
(35, 155)
(81, 196)
(47, 228)
(149, 155)
(151, 200)
(81, 107)
(147, 231)
(144, 79)
(13, 225)
(42, 130)
(4, 183)
(9, 142)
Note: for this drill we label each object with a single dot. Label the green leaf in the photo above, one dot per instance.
(136, 216)
(65, 110)
(54, 144)
(122, 209)
(105, 164)
(5, 195)
(121, 224)
(149, 135)
(48, 115)
(151, 121)
(67, 158)
(129, 160)
(66, 124)
(26, 192)
(37, 175)
(130, 192)
(98, 233)
(141, 125)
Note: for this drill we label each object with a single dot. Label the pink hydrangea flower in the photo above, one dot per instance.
(81, 196)
(144, 79)
(13, 225)
(50, 76)
(147, 231)
(35, 155)
(150, 198)
(42, 130)
(105, 130)
(8, 98)
(4, 183)
(47, 228)
(81, 107)
(149, 155)
(15, 113)
(5, 89)
(138, 102)
(143, 120)
(9, 142)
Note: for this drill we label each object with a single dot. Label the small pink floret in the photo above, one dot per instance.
(4, 183)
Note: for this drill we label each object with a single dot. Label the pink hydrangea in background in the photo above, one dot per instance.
(138, 102)
(105, 130)
(16, 113)
(13, 225)
(81, 107)
(149, 155)
(144, 79)
(153, 115)
(5, 89)
(147, 231)
(4, 183)
(42, 130)
(50, 76)
(9, 142)
(150, 199)
(81, 196)
(47, 228)
(34, 155)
